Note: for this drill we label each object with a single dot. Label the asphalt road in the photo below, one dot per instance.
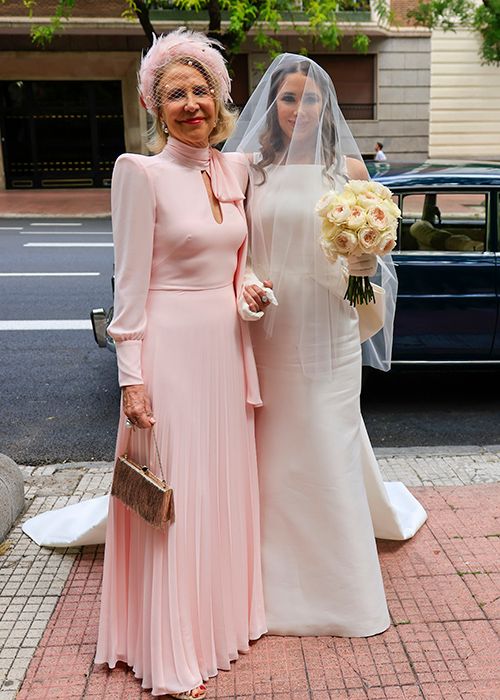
(59, 390)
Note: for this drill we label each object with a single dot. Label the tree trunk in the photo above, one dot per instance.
(214, 19)
(142, 13)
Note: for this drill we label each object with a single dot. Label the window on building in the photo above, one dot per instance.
(444, 222)
(354, 80)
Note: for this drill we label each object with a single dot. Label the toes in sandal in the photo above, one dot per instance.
(198, 693)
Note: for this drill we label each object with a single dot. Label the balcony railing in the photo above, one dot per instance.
(358, 111)
(349, 11)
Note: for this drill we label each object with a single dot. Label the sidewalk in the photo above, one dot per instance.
(443, 589)
(60, 203)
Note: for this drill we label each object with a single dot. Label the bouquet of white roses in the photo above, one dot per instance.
(361, 219)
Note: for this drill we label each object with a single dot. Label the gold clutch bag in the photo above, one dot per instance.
(138, 488)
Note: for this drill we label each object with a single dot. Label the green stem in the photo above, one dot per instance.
(359, 291)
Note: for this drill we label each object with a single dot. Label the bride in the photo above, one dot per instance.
(323, 500)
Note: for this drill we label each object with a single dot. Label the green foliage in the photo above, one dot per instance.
(42, 35)
(450, 14)
(445, 14)
(315, 19)
(361, 43)
(487, 23)
(383, 10)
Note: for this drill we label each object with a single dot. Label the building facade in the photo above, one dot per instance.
(68, 110)
(465, 99)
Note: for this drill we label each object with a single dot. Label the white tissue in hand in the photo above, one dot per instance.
(245, 311)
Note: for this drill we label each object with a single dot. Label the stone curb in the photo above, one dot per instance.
(11, 494)
(436, 450)
(380, 452)
(48, 215)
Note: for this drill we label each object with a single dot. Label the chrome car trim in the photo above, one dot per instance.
(445, 362)
(447, 254)
(99, 324)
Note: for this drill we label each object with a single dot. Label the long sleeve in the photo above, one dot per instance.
(133, 216)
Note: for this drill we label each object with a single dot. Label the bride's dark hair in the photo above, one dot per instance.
(271, 140)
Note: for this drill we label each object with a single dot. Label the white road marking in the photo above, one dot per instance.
(66, 233)
(67, 245)
(49, 274)
(55, 223)
(11, 228)
(55, 325)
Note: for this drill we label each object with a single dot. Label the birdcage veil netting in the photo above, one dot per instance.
(169, 53)
(299, 146)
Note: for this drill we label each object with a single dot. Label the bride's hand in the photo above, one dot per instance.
(137, 406)
(364, 265)
(256, 297)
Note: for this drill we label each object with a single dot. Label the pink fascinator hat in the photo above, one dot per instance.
(182, 45)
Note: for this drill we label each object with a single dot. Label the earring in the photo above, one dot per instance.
(164, 128)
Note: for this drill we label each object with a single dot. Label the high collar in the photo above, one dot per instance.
(190, 156)
(227, 179)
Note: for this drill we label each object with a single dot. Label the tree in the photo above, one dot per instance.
(483, 17)
(317, 19)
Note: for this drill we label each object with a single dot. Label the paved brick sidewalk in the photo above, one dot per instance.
(443, 589)
(55, 203)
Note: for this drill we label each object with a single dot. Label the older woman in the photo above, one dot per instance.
(178, 606)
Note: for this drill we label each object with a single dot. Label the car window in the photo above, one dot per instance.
(444, 221)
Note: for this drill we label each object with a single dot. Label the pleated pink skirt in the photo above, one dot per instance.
(177, 607)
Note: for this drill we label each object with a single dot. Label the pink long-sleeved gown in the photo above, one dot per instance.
(178, 606)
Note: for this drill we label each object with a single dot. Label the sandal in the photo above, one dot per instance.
(198, 693)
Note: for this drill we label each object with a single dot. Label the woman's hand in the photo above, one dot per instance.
(137, 406)
(364, 265)
(256, 297)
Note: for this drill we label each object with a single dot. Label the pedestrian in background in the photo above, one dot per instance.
(379, 151)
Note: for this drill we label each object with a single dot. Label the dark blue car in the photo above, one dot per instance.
(447, 261)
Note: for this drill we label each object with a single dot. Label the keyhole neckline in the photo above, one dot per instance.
(213, 201)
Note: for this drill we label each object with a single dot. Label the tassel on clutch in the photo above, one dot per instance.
(138, 488)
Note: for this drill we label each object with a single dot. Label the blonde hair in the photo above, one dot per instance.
(226, 116)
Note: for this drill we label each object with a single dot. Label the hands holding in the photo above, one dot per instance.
(256, 297)
(364, 265)
(137, 406)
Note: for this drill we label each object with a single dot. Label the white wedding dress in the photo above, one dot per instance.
(323, 500)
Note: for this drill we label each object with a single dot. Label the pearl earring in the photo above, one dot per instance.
(164, 128)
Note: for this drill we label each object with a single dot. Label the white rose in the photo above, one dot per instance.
(356, 186)
(357, 218)
(326, 202)
(378, 218)
(344, 242)
(369, 239)
(328, 230)
(330, 254)
(379, 190)
(339, 213)
(386, 244)
(391, 206)
(348, 197)
(368, 200)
